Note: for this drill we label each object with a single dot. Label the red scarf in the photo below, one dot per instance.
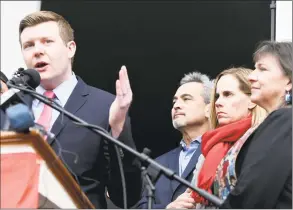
(215, 144)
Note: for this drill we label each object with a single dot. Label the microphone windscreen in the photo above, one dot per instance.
(34, 77)
(20, 117)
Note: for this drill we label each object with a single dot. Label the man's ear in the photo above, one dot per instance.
(71, 46)
(207, 110)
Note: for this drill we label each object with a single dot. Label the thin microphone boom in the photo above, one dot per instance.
(143, 157)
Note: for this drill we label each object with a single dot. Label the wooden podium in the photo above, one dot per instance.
(33, 176)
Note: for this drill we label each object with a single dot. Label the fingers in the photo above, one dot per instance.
(187, 199)
(183, 201)
(118, 89)
(188, 190)
(123, 80)
(190, 205)
(181, 205)
(186, 205)
(126, 78)
(123, 77)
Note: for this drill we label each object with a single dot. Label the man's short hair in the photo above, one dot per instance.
(200, 78)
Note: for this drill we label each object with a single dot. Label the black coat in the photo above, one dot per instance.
(264, 166)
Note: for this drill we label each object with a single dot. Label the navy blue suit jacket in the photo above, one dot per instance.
(91, 158)
(168, 190)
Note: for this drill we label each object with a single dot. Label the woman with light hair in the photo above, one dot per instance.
(233, 118)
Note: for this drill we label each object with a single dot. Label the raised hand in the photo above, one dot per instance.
(121, 104)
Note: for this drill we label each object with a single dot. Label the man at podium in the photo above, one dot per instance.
(47, 44)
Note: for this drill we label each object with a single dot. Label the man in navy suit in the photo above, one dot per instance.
(47, 45)
(190, 114)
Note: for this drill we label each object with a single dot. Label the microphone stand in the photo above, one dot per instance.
(143, 157)
(149, 186)
(148, 182)
(273, 20)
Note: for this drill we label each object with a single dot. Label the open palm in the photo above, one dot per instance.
(121, 104)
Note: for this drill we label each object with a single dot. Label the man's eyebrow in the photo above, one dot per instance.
(186, 94)
(182, 96)
(33, 39)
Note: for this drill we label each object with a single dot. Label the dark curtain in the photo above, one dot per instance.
(160, 41)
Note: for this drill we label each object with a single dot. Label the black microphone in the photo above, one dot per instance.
(142, 156)
(28, 78)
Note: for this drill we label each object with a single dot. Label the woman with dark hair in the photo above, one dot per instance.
(264, 163)
(3, 80)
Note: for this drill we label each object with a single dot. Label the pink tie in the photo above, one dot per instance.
(46, 114)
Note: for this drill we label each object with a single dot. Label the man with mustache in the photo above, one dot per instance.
(190, 116)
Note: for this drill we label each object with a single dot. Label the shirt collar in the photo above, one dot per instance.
(196, 140)
(62, 92)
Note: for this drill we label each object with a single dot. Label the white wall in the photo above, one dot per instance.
(11, 14)
(284, 20)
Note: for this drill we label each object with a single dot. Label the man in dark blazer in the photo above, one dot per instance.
(47, 44)
(190, 116)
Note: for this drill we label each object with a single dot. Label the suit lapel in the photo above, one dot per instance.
(190, 166)
(76, 100)
(26, 99)
(174, 165)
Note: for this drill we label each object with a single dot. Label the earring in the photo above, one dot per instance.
(288, 98)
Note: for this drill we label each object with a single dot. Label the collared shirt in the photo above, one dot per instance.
(62, 92)
(187, 152)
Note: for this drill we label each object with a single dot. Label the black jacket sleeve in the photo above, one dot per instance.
(264, 166)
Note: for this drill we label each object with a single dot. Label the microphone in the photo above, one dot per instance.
(20, 118)
(142, 156)
(28, 78)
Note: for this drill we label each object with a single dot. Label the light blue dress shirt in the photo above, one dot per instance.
(187, 152)
(62, 92)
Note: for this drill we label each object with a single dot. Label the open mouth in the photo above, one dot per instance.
(41, 65)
